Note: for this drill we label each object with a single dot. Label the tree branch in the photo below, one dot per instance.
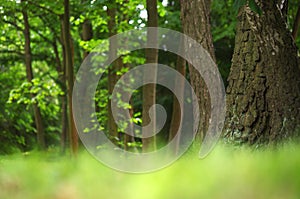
(12, 52)
(41, 7)
(12, 23)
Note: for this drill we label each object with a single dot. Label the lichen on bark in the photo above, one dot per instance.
(263, 95)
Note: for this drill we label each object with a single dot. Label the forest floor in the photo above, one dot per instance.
(225, 173)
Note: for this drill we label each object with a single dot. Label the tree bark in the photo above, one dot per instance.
(87, 33)
(177, 114)
(284, 8)
(263, 95)
(296, 24)
(69, 76)
(149, 90)
(28, 62)
(112, 71)
(195, 19)
(60, 68)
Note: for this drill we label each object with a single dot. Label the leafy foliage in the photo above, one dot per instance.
(251, 3)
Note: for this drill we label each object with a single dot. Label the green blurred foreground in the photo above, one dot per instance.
(225, 173)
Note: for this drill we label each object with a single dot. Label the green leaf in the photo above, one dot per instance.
(254, 7)
(238, 4)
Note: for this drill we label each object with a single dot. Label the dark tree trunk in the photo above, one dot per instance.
(69, 76)
(296, 24)
(112, 71)
(263, 95)
(149, 90)
(128, 138)
(87, 33)
(195, 17)
(60, 68)
(29, 74)
(177, 114)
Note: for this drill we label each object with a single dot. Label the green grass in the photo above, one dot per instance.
(225, 173)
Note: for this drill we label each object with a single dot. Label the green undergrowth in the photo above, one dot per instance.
(225, 173)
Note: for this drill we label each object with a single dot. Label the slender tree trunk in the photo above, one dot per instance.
(195, 17)
(60, 68)
(296, 24)
(122, 135)
(112, 71)
(177, 114)
(69, 77)
(149, 90)
(29, 74)
(263, 95)
(87, 33)
(129, 138)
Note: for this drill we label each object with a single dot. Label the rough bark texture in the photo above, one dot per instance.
(263, 95)
(195, 17)
(149, 90)
(28, 62)
(69, 76)
(284, 8)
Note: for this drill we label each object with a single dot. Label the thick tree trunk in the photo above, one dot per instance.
(195, 17)
(149, 90)
(29, 74)
(69, 76)
(263, 95)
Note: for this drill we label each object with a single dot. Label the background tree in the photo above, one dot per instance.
(37, 113)
(69, 75)
(176, 109)
(195, 16)
(112, 70)
(149, 90)
(296, 24)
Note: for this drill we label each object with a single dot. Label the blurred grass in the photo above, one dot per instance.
(225, 173)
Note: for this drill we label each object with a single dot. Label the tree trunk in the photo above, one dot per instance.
(296, 24)
(195, 19)
(129, 138)
(112, 71)
(263, 95)
(69, 77)
(177, 114)
(60, 68)
(284, 8)
(149, 90)
(87, 33)
(29, 74)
